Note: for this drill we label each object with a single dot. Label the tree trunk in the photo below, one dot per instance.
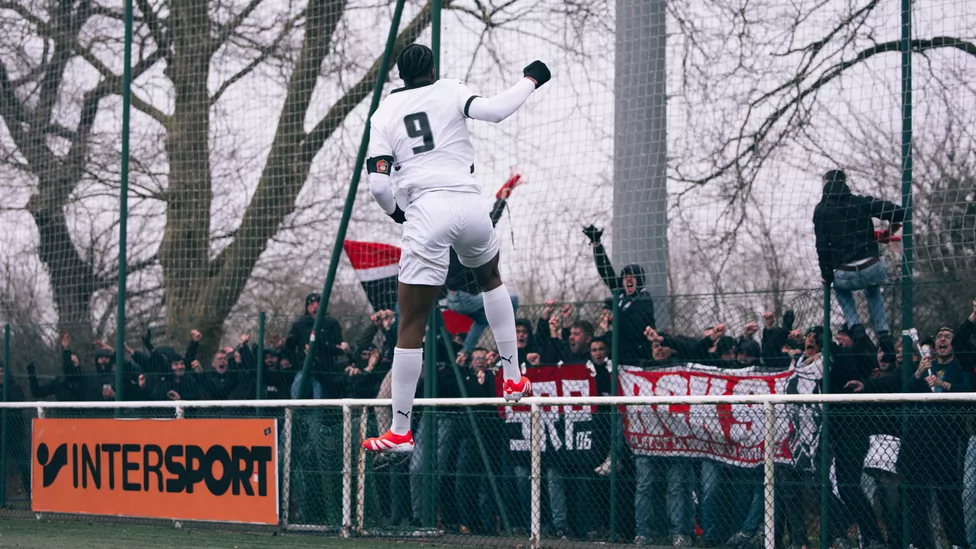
(185, 249)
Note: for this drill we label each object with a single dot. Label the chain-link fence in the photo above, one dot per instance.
(788, 470)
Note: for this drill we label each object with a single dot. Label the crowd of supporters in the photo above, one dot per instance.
(676, 501)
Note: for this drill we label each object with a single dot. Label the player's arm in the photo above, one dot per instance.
(503, 105)
(378, 166)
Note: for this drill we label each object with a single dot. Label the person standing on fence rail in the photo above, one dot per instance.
(419, 135)
(847, 250)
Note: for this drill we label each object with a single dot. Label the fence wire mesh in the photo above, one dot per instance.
(665, 474)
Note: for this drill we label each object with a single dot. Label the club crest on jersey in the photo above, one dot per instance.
(382, 166)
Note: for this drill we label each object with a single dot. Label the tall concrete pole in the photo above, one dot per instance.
(640, 198)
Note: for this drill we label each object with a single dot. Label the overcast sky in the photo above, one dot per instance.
(561, 141)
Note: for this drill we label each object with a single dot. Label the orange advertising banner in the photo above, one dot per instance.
(223, 470)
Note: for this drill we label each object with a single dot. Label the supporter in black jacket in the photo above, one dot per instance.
(223, 383)
(74, 385)
(636, 307)
(277, 381)
(936, 435)
(774, 338)
(847, 249)
(525, 340)
(575, 348)
(328, 345)
(179, 384)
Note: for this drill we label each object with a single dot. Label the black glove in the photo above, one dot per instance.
(788, 318)
(538, 71)
(397, 215)
(593, 234)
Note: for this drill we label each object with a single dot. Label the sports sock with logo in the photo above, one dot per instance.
(501, 318)
(407, 364)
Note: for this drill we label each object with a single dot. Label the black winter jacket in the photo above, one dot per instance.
(843, 227)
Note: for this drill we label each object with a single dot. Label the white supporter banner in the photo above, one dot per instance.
(729, 433)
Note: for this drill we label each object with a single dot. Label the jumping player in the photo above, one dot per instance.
(419, 135)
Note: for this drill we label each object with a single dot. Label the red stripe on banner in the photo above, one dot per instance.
(368, 255)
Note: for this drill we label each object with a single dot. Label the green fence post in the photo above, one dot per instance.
(907, 279)
(482, 447)
(429, 464)
(260, 365)
(826, 489)
(123, 206)
(3, 421)
(614, 423)
(436, 7)
(350, 199)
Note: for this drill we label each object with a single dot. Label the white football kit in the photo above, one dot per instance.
(419, 137)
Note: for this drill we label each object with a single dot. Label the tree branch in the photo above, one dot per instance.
(328, 124)
(224, 32)
(758, 137)
(159, 29)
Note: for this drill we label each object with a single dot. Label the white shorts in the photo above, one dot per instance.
(437, 221)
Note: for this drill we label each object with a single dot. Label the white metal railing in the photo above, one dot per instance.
(354, 510)
(529, 401)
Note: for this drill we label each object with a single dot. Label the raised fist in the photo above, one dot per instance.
(593, 234)
(788, 318)
(538, 72)
(195, 336)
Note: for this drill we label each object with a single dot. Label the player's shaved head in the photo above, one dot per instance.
(415, 63)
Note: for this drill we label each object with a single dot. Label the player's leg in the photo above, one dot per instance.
(416, 302)
(477, 248)
(423, 268)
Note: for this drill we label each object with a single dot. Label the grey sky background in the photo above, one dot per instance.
(721, 56)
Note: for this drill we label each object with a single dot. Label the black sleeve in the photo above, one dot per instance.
(45, 390)
(142, 359)
(963, 346)
(191, 352)
(545, 343)
(772, 353)
(67, 366)
(605, 268)
(688, 348)
(248, 358)
(497, 210)
(822, 234)
(333, 336)
(882, 209)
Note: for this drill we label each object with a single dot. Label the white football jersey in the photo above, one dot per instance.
(425, 131)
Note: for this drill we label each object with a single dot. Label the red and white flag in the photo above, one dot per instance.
(377, 266)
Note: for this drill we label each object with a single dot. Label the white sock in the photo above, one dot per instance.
(501, 318)
(407, 364)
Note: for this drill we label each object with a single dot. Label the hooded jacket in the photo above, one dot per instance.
(329, 336)
(636, 311)
(843, 227)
